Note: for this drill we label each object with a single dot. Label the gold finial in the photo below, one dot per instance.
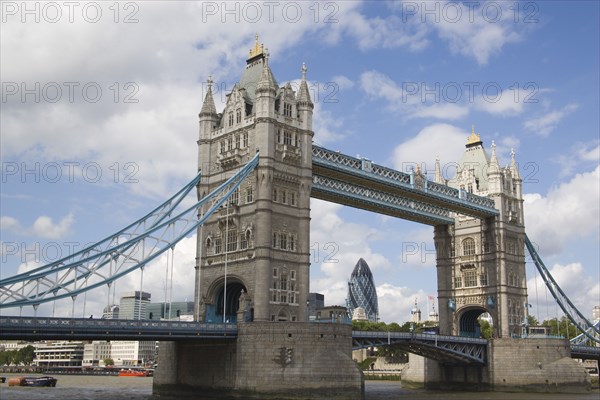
(257, 49)
(474, 138)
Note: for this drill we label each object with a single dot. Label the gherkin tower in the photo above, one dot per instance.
(362, 292)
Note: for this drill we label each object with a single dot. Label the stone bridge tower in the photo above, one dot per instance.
(256, 247)
(481, 263)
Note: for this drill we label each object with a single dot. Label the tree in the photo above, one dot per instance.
(109, 362)
(26, 355)
(486, 329)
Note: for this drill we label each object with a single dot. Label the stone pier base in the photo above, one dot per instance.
(269, 360)
(522, 365)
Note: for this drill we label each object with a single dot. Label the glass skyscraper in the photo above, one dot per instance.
(362, 292)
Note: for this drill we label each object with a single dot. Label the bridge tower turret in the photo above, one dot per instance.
(258, 244)
(481, 263)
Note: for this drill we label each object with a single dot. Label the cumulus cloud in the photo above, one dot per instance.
(583, 290)
(43, 227)
(438, 140)
(574, 207)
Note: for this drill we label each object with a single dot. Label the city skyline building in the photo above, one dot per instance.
(134, 305)
(362, 291)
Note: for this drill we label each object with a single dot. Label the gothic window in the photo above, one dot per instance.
(243, 242)
(278, 135)
(231, 118)
(292, 199)
(283, 241)
(292, 243)
(229, 144)
(274, 240)
(483, 279)
(222, 147)
(292, 277)
(232, 240)
(235, 197)
(287, 109)
(283, 281)
(274, 272)
(245, 140)
(284, 197)
(238, 116)
(296, 141)
(287, 138)
(237, 141)
(218, 246)
(470, 188)
(468, 247)
(249, 195)
(457, 282)
(274, 194)
(470, 278)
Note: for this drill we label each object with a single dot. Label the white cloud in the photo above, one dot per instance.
(475, 34)
(409, 98)
(546, 123)
(43, 227)
(583, 290)
(574, 207)
(502, 103)
(337, 245)
(10, 224)
(578, 156)
(443, 140)
(343, 82)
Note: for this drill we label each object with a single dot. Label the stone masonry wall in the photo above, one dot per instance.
(306, 360)
(535, 365)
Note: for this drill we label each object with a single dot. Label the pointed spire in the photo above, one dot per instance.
(304, 95)
(266, 81)
(514, 169)
(208, 107)
(438, 170)
(494, 166)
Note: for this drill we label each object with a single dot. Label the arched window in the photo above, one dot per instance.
(468, 247)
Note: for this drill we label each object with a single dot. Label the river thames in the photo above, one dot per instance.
(77, 387)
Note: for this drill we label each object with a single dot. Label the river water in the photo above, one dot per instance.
(78, 387)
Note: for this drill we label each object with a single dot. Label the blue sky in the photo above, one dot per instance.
(397, 82)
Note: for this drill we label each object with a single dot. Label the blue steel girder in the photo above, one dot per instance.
(331, 164)
(73, 277)
(448, 349)
(590, 330)
(382, 202)
(43, 328)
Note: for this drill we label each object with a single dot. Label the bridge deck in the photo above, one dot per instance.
(428, 198)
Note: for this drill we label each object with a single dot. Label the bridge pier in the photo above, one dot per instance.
(514, 365)
(268, 360)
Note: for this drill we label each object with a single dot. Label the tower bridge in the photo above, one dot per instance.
(252, 226)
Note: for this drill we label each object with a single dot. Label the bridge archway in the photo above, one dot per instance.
(224, 301)
(468, 324)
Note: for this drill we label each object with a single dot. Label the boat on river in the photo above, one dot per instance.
(37, 381)
(135, 372)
